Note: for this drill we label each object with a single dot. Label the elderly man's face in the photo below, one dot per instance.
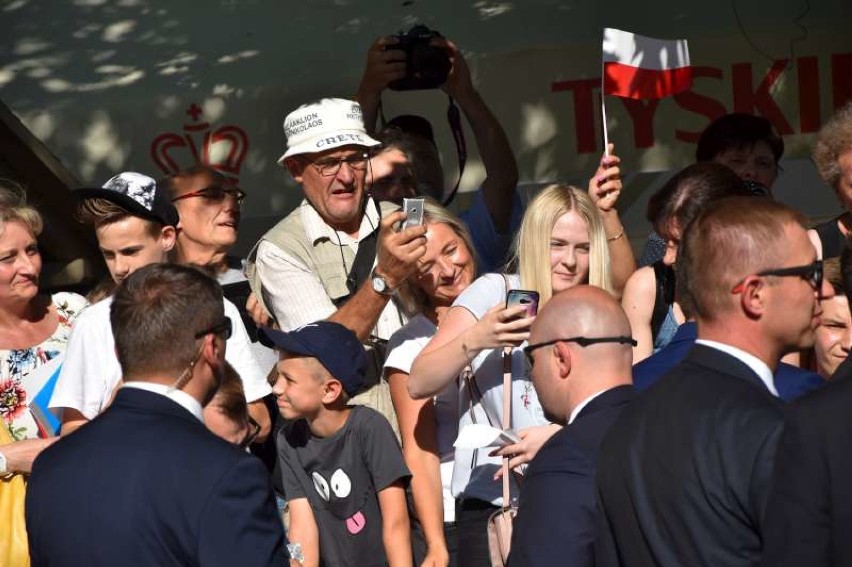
(333, 183)
(209, 209)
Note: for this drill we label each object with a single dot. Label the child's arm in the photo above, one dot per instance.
(303, 530)
(396, 531)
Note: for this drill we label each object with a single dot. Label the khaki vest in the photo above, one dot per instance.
(324, 259)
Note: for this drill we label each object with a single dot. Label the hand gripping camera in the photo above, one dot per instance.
(427, 66)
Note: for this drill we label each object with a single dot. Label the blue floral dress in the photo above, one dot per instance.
(27, 376)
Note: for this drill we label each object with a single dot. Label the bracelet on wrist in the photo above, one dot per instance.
(616, 237)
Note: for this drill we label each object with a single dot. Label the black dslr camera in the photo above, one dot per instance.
(427, 66)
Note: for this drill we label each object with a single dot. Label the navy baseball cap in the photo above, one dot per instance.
(333, 345)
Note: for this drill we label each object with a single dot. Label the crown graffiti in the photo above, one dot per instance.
(223, 148)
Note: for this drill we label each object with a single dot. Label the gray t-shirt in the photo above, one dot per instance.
(341, 475)
(474, 469)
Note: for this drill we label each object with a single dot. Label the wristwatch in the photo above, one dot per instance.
(3, 470)
(380, 284)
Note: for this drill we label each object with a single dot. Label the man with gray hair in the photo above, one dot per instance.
(337, 256)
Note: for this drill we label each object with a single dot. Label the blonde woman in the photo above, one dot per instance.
(34, 330)
(429, 426)
(561, 243)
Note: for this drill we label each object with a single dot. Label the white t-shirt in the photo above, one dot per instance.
(403, 348)
(474, 469)
(90, 372)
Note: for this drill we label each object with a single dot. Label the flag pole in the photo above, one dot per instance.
(603, 112)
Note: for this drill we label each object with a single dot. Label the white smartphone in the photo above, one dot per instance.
(413, 212)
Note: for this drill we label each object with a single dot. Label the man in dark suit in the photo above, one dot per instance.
(145, 483)
(810, 509)
(580, 351)
(684, 474)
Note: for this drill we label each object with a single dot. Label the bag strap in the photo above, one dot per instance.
(507, 406)
(507, 417)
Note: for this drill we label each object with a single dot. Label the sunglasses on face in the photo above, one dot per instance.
(582, 341)
(811, 273)
(330, 166)
(224, 328)
(215, 194)
(251, 434)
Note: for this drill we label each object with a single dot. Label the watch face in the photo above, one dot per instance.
(379, 284)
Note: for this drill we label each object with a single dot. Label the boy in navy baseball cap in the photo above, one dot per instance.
(341, 466)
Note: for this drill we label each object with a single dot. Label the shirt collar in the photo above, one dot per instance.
(582, 405)
(757, 366)
(180, 397)
(317, 229)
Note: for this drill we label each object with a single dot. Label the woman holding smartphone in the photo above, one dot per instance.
(429, 426)
(561, 243)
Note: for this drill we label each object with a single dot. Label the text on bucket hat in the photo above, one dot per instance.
(333, 345)
(136, 193)
(325, 125)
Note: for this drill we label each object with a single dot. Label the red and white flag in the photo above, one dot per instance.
(636, 66)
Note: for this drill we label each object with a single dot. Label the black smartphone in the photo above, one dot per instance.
(528, 299)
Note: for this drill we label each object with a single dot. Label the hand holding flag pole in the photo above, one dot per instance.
(640, 67)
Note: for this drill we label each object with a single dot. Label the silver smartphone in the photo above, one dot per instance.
(413, 212)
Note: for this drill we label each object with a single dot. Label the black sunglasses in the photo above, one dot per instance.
(251, 434)
(811, 273)
(224, 328)
(582, 341)
(215, 194)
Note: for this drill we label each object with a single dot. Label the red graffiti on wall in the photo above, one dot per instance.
(223, 148)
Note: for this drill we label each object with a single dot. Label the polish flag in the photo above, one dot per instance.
(636, 66)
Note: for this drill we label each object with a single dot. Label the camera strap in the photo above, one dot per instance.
(454, 118)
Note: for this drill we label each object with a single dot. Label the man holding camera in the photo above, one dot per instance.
(495, 210)
(337, 256)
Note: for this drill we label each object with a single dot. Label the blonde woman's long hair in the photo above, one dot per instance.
(531, 254)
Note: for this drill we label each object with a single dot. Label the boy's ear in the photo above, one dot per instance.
(168, 238)
(332, 390)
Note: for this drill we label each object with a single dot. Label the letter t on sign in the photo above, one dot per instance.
(584, 110)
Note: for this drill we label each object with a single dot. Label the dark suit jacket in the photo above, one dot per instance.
(147, 484)
(790, 381)
(684, 474)
(843, 371)
(556, 516)
(809, 521)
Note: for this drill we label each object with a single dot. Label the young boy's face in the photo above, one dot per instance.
(300, 386)
(128, 244)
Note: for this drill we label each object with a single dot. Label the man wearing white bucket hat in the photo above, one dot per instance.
(337, 255)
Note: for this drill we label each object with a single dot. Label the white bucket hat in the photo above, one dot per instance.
(324, 125)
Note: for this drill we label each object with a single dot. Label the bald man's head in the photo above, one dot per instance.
(566, 373)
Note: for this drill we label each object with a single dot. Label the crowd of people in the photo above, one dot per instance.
(307, 405)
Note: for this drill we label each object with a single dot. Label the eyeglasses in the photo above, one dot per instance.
(215, 194)
(582, 341)
(224, 328)
(811, 273)
(251, 434)
(330, 166)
